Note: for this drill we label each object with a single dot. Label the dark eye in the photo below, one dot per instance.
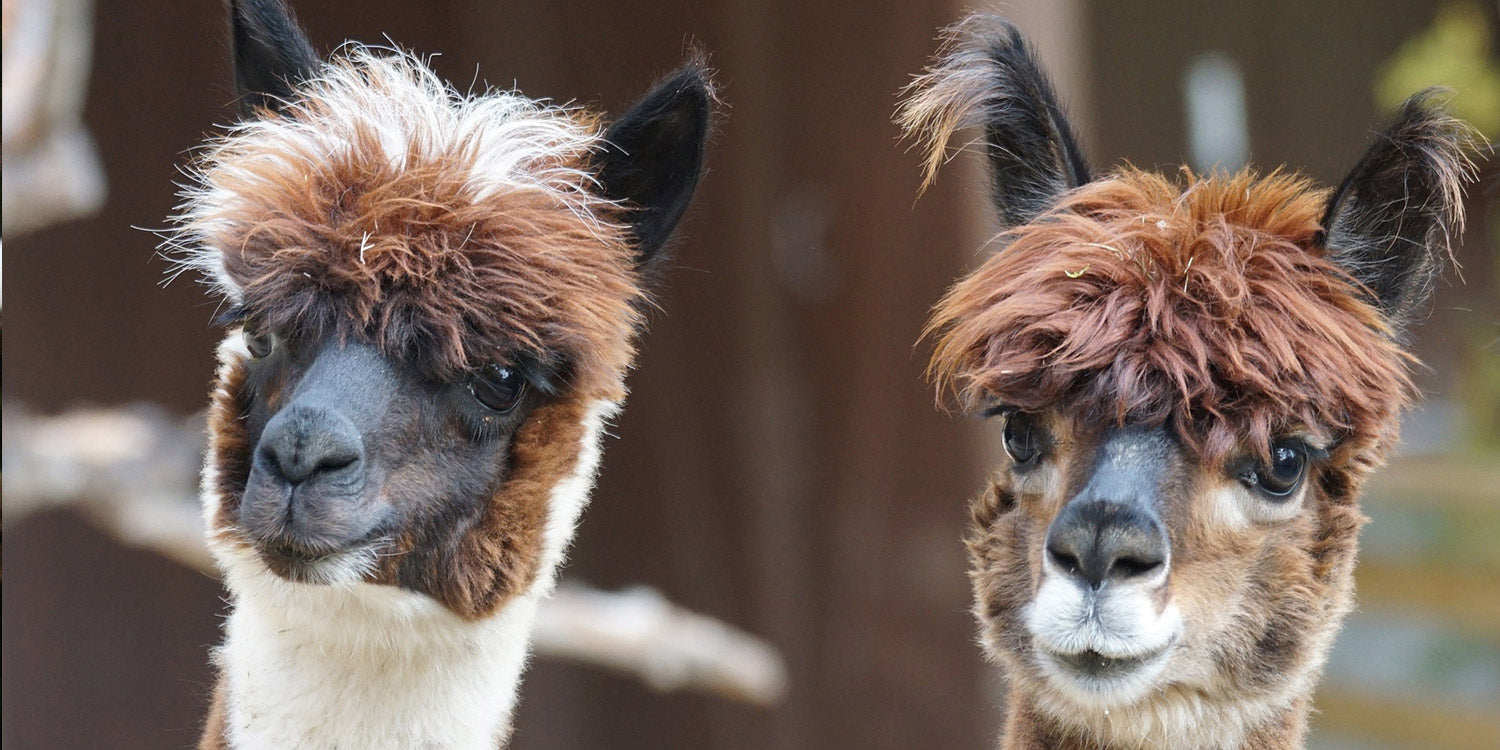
(498, 388)
(1283, 475)
(259, 343)
(1023, 439)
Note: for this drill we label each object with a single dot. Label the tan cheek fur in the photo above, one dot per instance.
(1006, 542)
(1225, 565)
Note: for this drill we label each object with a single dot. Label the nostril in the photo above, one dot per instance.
(279, 457)
(266, 459)
(335, 461)
(1133, 567)
(309, 462)
(1064, 560)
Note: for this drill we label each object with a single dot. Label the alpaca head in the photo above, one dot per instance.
(432, 300)
(1194, 379)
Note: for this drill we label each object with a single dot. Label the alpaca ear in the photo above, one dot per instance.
(653, 155)
(986, 76)
(271, 54)
(1390, 222)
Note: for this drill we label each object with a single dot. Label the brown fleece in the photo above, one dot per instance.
(408, 260)
(230, 450)
(1209, 306)
(500, 555)
(428, 253)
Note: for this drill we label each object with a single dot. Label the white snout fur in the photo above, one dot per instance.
(1121, 620)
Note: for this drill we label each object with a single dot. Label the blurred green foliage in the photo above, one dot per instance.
(1456, 51)
(1460, 52)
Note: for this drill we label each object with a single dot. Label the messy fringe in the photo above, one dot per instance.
(450, 229)
(1209, 307)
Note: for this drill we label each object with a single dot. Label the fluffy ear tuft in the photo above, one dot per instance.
(987, 76)
(271, 54)
(1390, 223)
(653, 155)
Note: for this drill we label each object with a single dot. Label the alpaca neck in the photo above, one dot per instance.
(1255, 728)
(369, 667)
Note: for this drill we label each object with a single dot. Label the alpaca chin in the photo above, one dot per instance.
(373, 665)
(1102, 648)
(344, 567)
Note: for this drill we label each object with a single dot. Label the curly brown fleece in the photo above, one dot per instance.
(1208, 306)
(384, 207)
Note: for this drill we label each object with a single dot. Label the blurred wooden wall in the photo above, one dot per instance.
(780, 464)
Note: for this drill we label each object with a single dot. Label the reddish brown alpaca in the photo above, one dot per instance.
(1196, 378)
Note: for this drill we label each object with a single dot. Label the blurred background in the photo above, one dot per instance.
(780, 466)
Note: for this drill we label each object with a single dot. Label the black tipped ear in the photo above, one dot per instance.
(653, 155)
(271, 54)
(987, 76)
(1390, 222)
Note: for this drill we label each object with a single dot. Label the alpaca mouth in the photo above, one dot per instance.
(1102, 675)
(343, 566)
(292, 554)
(1096, 666)
(300, 564)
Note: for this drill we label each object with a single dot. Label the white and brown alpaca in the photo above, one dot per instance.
(433, 299)
(1195, 379)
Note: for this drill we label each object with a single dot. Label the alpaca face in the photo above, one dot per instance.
(1194, 380)
(434, 298)
(1172, 526)
(354, 455)
(1114, 571)
(333, 463)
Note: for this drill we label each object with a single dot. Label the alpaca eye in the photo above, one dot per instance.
(1023, 439)
(497, 388)
(258, 343)
(1283, 475)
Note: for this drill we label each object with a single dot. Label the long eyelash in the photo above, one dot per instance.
(545, 376)
(230, 316)
(997, 410)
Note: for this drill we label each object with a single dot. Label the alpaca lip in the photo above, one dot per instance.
(294, 563)
(296, 555)
(300, 564)
(1093, 665)
(317, 568)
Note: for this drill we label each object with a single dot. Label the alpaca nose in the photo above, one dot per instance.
(304, 444)
(1102, 541)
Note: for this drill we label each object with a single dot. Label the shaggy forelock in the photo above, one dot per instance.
(450, 230)
(1208, 307)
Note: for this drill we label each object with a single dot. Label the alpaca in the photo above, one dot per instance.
(432, 299)
(1195, 379)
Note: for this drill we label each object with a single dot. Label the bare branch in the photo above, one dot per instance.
(52, 170)
(133, 471)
